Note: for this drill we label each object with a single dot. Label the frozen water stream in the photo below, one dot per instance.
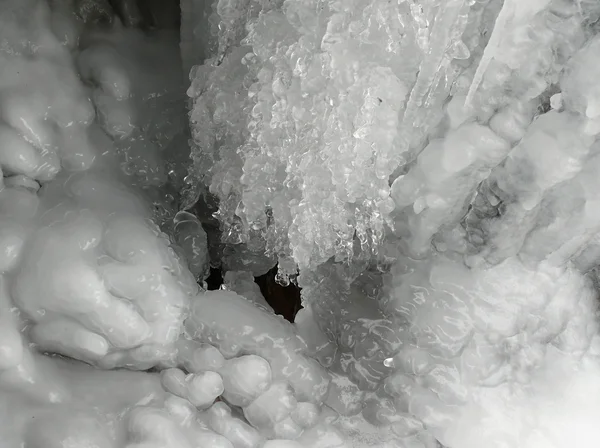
(430, 166)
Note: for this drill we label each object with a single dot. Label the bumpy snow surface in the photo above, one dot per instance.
(431, 167)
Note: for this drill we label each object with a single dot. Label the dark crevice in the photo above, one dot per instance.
(285, 300)
(215, 279)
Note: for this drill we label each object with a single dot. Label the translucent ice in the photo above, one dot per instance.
(513, 14)
(311, 175)
(192, 239)
(308, 189)
(448, 256)
(243, 283)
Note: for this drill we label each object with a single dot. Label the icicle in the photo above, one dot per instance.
(492, 47)
(447, 29)
(513, 12)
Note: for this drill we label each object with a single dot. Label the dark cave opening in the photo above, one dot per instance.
(215, 279)
(285, 300)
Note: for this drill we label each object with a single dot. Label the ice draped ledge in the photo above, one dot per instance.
(328, 129)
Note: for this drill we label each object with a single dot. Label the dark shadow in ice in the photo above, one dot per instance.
(285, 300)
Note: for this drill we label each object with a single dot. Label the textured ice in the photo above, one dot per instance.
(443, 249)
(448, 255)
(319, 123)
(300, 124)
(191, 237)
(242, 282)
(236, 327)
(88, 272)
(514, 15)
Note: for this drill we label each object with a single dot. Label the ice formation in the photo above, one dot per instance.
(429, 167)
(100, 266)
